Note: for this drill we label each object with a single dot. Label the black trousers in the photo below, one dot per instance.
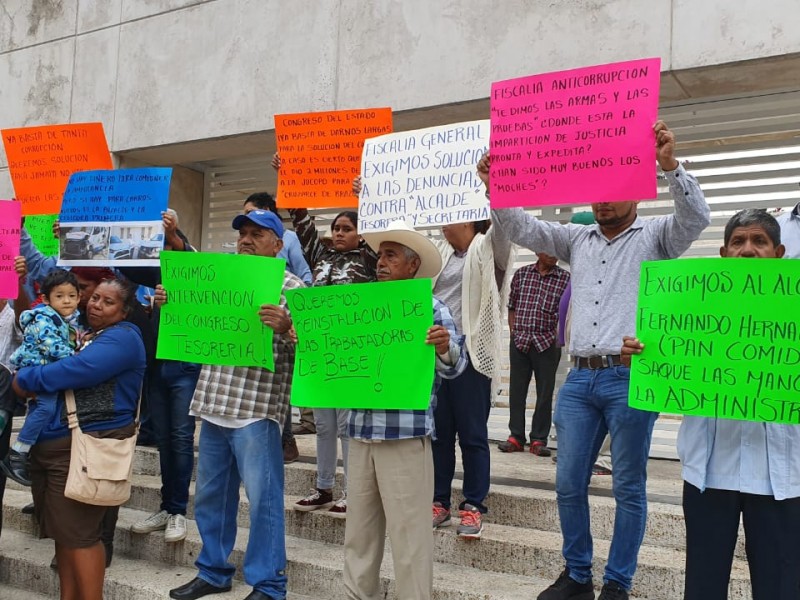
(5, 439)
(542, 366)
(772, 543)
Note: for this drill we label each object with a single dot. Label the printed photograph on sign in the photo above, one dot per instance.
(320, 155)
(427, 177)
(114, 217)
(575, 137)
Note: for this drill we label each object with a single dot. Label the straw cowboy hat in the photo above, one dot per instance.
(400, 233)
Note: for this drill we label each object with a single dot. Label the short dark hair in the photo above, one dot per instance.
(754, 217)
(263, 201)
(481, 226)
(56, 278)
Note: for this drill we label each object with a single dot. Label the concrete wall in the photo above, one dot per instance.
(162, 72)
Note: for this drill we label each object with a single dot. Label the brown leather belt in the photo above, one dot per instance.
(597, 362)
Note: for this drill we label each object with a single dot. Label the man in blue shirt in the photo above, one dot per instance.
(390, 479)
(734, 469)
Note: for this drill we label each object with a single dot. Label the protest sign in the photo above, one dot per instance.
(9, 247)
(41, 160)
(575, 137)
(211, 314)
(40, 228)
(427, 177)
(321, 155)
(721, 339)
(363, 345)
(114, 217)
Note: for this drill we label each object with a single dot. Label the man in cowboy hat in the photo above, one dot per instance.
(390, 479)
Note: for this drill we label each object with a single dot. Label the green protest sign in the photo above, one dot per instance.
(40, 228)
(211, 314)
(721, 339)
(363, 345)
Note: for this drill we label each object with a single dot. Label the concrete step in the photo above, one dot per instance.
(513, 506)
(528, 555)
(25, 573)
(314, 568)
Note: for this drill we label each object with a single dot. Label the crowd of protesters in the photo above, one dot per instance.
(83, 329)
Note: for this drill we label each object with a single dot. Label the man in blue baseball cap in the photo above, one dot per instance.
(242, 410)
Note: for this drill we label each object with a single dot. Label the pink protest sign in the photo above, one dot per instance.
(10, 216)
(575, 137)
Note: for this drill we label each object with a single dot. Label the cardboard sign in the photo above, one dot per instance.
(722, 339)
(321, 155)
(575, 137)
(10, 216)
(426, 177)
(114, 217)
(41, 160)
(363, 345)
(40, 228)
(211, 314)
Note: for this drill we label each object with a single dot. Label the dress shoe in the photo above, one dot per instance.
(27, 509)
(256, 595)
(301, 429)
(15, 466)
(290, 451)
(196, 588)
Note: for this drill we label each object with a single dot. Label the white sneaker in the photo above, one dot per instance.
(154, 522)
(339, 510)
(176, 529)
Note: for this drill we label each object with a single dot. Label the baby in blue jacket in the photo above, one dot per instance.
(50, 333)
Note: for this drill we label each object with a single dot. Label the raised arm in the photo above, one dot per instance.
(692, 213)
(39, 265)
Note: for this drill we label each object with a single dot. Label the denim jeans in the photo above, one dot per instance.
(40, 413)
(228, 457)
(462, 408)
(591, 403)
(171, 390)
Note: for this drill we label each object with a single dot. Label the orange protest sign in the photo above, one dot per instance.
(321, 155)
(41, 160)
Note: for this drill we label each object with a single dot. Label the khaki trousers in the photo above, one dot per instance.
(390, 487)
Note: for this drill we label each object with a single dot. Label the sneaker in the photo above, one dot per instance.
(441, 515)
(512, 444)
(314, 501)
(176, 529)
(566, 588)
(290, 451)
(471, 522)
(540, 449)
(339, 510)
(15, 466)
(154, 522)
(613, 591)
(600, 470)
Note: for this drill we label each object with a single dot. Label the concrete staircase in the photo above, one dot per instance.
(517, 557)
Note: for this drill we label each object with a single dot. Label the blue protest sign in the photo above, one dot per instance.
(113, 218)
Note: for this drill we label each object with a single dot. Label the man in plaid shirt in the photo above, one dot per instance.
(390, 479)
(533, 321)
(242, 410)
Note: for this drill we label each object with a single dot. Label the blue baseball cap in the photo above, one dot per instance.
(263, 218)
